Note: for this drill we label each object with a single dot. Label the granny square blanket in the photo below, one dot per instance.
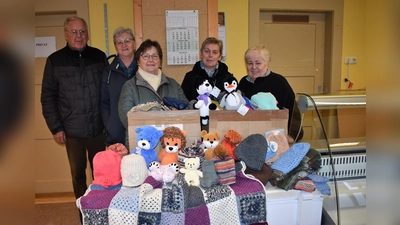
(177, 203)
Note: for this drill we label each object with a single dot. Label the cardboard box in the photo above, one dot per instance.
(254, 122)
(188, 120)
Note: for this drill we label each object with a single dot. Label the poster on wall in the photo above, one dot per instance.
(44, 46)
(182, 27)
(222, 33)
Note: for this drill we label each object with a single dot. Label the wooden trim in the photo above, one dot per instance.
(138, 22)
(50, 13)
(212, 15)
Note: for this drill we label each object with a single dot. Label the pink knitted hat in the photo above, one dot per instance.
(107, 168)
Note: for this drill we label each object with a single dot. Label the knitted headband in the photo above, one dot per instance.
(107, 168)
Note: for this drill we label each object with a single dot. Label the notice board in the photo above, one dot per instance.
(150, 23)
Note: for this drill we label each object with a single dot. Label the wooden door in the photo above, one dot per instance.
(296, 43)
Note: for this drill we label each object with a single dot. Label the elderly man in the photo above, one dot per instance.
(71, 99)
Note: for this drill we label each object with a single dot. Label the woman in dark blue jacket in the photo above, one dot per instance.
(122, 68)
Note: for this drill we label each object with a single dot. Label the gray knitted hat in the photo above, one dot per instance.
(252, 151)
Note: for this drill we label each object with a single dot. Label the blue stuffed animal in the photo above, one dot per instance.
(147, 139)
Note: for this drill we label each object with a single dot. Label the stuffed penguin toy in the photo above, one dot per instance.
(233, 97)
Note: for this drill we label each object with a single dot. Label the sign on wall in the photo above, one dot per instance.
(182, 27)
(44, 46)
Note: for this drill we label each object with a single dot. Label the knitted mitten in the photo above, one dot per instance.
(210, 177)
(225, 169)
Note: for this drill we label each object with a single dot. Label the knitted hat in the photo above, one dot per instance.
(265, 100)
(252, 151)
(107, 168)
(291, 158)
(133, 170)
(280, 142)
(119, 148)
(196, 149)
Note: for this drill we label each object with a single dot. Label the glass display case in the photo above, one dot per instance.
(334, 124)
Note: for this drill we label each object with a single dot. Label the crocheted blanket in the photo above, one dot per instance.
(177, 203)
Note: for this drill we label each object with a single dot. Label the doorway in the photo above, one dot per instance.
(301, 72)
(296, 43)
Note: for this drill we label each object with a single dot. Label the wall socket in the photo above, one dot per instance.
(350, 60)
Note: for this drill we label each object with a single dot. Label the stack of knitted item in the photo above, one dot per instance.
(271, 159)
(252, 151)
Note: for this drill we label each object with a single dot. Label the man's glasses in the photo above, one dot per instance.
(75, 32)
(147, 56)
(126, 41)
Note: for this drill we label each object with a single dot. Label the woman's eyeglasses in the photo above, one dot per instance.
(147, 56)
(126, 41)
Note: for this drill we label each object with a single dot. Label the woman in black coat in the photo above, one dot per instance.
(209, 66)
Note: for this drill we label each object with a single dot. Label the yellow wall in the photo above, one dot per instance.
(119, 13)
(354, 42)
(236, 16)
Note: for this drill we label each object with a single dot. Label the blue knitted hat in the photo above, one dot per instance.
(291, 158)
(265, 100)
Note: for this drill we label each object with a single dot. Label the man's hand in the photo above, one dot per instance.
(60, 138)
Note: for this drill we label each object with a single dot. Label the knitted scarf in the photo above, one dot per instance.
(153, 80)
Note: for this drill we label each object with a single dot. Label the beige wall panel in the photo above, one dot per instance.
(52, 168)
(61, 7)
(50, 19)
(301, 84)
(41, 130)
(39, 69)
(299, 40)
